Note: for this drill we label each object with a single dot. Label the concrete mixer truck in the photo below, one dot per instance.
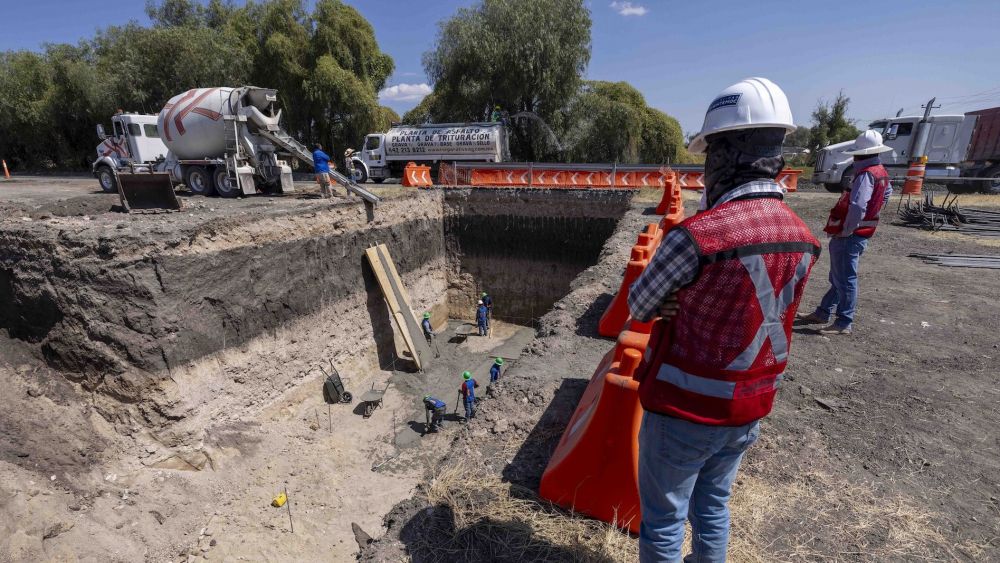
(224, 141)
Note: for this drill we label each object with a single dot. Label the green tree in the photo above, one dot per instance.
(523, 55)
(830, 125)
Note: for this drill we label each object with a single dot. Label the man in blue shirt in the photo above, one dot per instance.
(468, 394)
(482, 318)
(434, 410)
(321, 165)
(495, 370)
(488, 301)
(429, 333)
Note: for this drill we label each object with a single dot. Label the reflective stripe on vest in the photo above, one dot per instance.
(772, 307)
(717, 387)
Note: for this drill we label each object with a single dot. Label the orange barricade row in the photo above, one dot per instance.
(595, 468)
(549, 178)
(417, 175)
(788, 178)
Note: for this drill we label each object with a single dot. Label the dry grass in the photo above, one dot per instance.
(492, 517)
(814, 515)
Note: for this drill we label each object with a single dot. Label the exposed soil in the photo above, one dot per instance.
(882, 445)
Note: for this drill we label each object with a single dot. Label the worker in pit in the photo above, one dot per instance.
(852, 222)
(726, 284)
(434, 410)
(495, 370)
(429, 333)
(488, 301)
(467, 392)
(482, 318)
(321, 166)
(349, 165)
(497, 115)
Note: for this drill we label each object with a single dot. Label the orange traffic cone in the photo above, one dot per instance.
(915, 176)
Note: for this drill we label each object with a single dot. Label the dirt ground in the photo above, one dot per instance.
(882, 445)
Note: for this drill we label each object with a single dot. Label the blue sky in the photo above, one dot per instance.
(884, 55)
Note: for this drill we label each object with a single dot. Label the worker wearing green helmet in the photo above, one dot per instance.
(495, 370)
(468, 393)
(488, 301)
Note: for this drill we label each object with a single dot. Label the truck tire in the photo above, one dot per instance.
(360, 173)
(991, 186)
(106, 178)
(833, 188)
(845, 180)
(198, 181)
(224, 185)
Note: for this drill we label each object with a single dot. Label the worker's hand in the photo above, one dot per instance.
(670, 307)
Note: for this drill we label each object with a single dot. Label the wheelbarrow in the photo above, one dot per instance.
(333, 388)
(372, 399)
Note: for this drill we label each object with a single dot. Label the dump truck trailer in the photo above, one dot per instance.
(963, 151)
(384, 155)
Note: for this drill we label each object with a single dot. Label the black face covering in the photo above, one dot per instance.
(737, 157)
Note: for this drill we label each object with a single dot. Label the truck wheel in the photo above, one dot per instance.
(224, 185)
(360, 173)
(197, 179)
(833, 188)
(845, 181)
(106, 177)
(991, 186)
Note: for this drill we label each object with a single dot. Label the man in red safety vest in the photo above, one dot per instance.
(726, 284)
(852, 222)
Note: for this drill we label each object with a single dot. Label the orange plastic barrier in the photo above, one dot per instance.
(595, 468)
(671, 207)
(788, 178)
(417, 176)
(576, 178)
(617, 314)
(915, 177)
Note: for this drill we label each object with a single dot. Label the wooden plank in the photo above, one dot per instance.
(396, 306)
(413, 326)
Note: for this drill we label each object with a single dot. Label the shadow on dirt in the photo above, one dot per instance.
(529, 462)
(432, 536)
(586, 324)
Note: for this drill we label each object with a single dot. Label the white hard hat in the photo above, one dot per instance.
(869, 142)
(348, 152)
(480, 302)
(749, 104)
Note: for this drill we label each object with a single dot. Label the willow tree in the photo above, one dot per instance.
(523, 55)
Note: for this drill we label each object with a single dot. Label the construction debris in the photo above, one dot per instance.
(950, 217)
(962, 260)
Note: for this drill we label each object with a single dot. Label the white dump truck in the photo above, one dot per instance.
(957, 147)
(386, 154)
(224, 141)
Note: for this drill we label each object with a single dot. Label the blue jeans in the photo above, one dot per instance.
(845, 253)
(470, 409)
(483, 329)
(685, 472)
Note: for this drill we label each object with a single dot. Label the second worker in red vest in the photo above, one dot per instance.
(731, 277)
(852, 222)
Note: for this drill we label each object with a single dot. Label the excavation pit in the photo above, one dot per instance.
(143, 309)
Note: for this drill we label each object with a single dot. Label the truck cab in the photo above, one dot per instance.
(370, 161)
(134, 139)
(943, 139)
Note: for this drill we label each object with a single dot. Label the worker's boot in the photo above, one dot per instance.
(834, 330)
(811, 318)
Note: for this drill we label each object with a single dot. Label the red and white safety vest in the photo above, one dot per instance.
(721, 358)
(835, 224)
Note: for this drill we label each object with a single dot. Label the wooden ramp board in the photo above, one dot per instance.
(399, 304)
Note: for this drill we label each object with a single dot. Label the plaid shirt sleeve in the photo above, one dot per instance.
(674, 265)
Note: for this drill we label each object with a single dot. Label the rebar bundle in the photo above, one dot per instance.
(961, 260)
(949, 217)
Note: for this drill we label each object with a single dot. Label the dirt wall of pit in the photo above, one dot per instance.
(128, 303)
(523, 246)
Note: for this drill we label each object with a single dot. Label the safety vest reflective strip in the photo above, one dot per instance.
(771, 328)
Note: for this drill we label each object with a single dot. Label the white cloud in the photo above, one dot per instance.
(405, 92)
(629, 9)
